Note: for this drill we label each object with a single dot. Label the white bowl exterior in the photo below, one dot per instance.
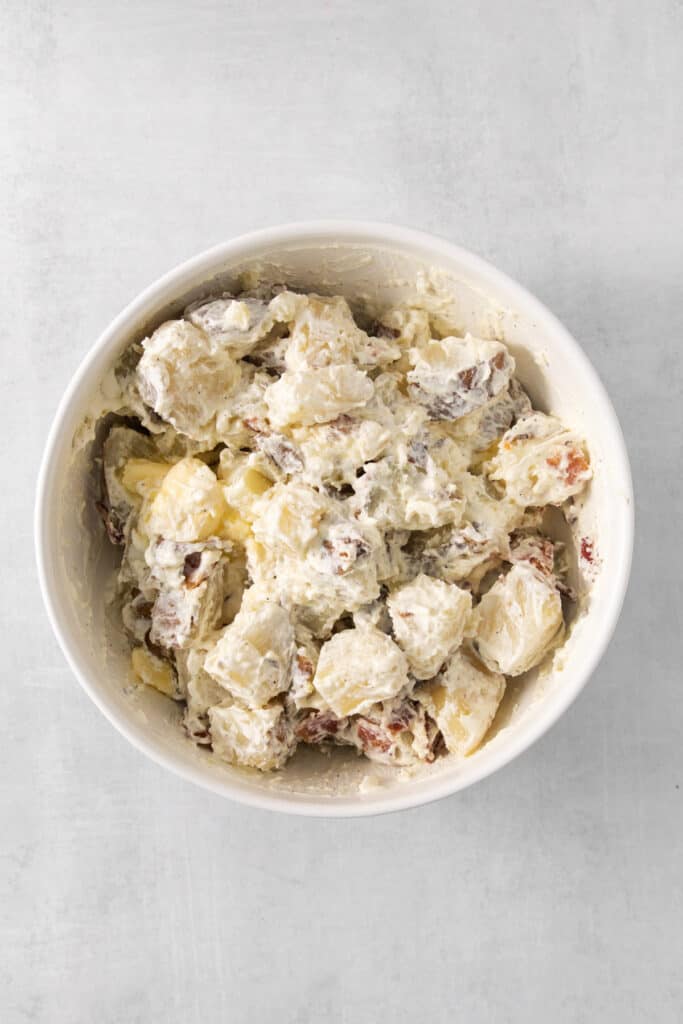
(373, 263)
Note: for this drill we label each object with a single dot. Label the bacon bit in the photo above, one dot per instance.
(467, 376)
(318, 726)
(143, 609)
(190, 566)
(401, 718)
(304, 665)
(587, 550)
(536, 551)
(280, 731)
(565, 590)
(577, 463)
(254, 424)
(371, 736)
(280, 451)
(157, 649)
(439, 748)
(200, 735)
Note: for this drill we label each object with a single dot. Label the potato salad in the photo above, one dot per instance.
(331, 527)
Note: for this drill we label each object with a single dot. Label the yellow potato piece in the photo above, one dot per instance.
(359, 667)
(189, 506)
(143, 477)
(234, 527)
(152, 671)
(463, 701)
(256, 482)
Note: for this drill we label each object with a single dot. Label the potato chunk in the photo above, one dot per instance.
(189, 505)
(453, 377)
(429, 618)
(186, 377)
(316, 396)
(540, 462)
(154, 672)
(235, 324)
(191, 580)
(253, 738)
(462, 700)
(252, 657)
(357, 668)
(518, 620)
(313, 555)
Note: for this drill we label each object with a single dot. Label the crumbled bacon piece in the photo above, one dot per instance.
(190, 566)
(318, 726)
(470, 389)
(576, 464)
(537, 551)
(401, 717)
(304, 665)
(254, 423)
(198, 731)
(371, 736)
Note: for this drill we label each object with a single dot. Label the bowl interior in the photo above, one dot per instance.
(373, 269)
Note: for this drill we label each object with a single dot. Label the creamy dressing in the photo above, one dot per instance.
(331, 531)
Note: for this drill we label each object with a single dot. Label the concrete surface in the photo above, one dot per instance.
(545, 136)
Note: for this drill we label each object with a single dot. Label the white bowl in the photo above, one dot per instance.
(373, 264)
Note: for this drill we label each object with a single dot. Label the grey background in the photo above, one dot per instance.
(544, 136)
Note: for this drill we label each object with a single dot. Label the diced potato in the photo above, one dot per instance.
(454, 376)
(518, 620)
(236, 324)
(144, 477)
(540, 462)
(397, 494)
(429, 619)
(463, 701)
(324, 332)
(189, 505)
(154, 672)
(252, 657)
(234, 526)
(186, 377)
(257, 738)
(243, 484)
(409, 326)
(334, 452)
(121, 445)
(190, 600)
(316, 396)
(288, 517)
(357, 668)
